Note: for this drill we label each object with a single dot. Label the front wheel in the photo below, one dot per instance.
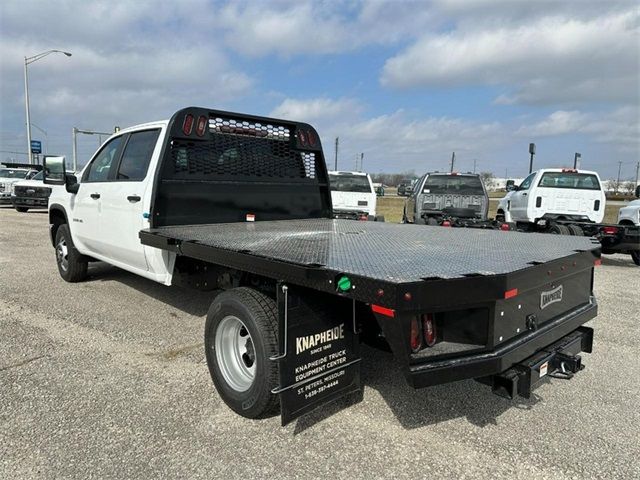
(22, 209)
(240, 337)
(71, 263)
(635, 256)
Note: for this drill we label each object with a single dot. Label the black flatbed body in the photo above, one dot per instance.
(383, 260)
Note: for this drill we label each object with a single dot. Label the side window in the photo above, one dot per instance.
(101, 165)
(137, 155)
(527, 182)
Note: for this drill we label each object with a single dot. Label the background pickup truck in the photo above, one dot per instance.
(438, 196)
(240, 205)
(566, 201)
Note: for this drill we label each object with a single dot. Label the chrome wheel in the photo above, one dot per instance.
(235, 353)
(62, 255)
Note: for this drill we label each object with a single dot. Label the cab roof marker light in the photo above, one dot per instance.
(187, 124)
(387, 312)
(510, 293)
(202, 125)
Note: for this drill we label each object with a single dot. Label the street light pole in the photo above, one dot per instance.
(26, 103)
(27, 61)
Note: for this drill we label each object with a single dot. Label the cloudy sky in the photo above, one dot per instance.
(404, 82)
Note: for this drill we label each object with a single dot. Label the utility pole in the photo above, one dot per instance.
(637, 172)
(361, 162)
(576, 161)
(474, 165)
(532, 151)
(618, 182)
(335, 166)
(453, 160)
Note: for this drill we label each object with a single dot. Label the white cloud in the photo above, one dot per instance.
(552, 59)
(317, 109)
(619, 127)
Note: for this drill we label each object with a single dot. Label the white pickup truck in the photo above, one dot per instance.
(241, 205)
(353, 195)
(629, 215)
(566, 201)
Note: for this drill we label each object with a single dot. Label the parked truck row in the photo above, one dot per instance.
(241, 206)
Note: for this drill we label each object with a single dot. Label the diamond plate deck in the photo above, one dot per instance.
(383, 251)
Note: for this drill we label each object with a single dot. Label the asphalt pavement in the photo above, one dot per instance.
(107, 379)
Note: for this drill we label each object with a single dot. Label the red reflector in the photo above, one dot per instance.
(311, 137)
(363, 218)
(511, 293)
(505, 227)
(387, 312)
(610, 230)
(597, 262)
(302, 138)
(416, 338)
(429, 329)
(187, 124)
(446, 223)
(202, 125)
(573, 170)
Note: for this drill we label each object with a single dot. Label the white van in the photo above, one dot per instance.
(353, 195)
(555, 194)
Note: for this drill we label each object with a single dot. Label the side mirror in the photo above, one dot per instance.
(511, 188)
(53, 171)
(638, 191)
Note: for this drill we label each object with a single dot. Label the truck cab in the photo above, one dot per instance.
(555, 194)
(438, 195)
(352, 195)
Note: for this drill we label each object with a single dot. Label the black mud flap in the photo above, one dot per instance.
(319, 358)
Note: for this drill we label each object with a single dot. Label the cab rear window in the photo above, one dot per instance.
(453, 184)
(349, 183)
(572, 180)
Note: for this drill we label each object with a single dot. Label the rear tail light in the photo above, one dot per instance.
(187, 124)
(429, 330)
(446, 223)
(202, 125)
(416, 337)
(311, 137)
(505, 227)
(610, 230)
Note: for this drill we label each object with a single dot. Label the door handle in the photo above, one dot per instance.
(95, 196)
(524, 194)
(133, 198)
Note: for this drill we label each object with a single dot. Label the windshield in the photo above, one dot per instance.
(574, 180)
(349, 183)
(11, 173)
(453, 184)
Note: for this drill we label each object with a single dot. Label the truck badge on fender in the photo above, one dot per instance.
(551, 296)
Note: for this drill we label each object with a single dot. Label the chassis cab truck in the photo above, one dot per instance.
(240, 206)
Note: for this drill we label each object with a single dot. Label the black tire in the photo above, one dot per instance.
(635, 256)
(22, 209)
(576, 230)
(432, 221)
(72, 265)
(259, 315)
(500, 216)
(558, 229)
(459, 212)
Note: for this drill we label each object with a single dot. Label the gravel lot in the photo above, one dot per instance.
(107, 379)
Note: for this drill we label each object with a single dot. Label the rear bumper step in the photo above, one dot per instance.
(559, 360)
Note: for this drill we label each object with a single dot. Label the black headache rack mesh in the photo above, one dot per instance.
(221, 166)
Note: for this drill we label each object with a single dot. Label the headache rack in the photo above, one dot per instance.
(218, 167)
